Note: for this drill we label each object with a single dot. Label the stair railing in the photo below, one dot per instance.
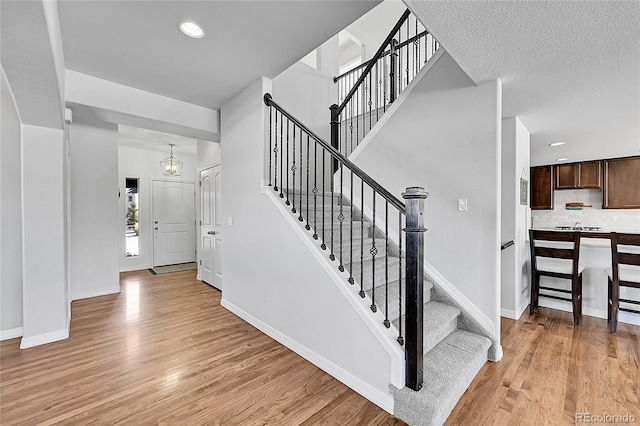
(365, 92)
(300, 172)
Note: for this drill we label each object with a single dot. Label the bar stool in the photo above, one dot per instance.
(624, 272)
(559, 262)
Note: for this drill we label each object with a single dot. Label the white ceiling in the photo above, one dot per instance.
(570, 69)
(137, 43)
(135, 137)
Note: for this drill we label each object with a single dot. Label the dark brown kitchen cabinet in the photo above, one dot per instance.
(621, 183)
(541, 188)
(579, 175)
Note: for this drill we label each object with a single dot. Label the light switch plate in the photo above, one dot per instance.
(462, 204)
(229, 221)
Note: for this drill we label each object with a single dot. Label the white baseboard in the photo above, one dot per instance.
(96, 294)
(134, 268)
(514, 315)
(42, 339)
(381, 399)
(11, 333)
(460, 298)
(508, 313)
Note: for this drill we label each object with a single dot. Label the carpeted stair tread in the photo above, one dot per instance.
(368, 273)
(438, 321)
(448, 370)
(394, 309)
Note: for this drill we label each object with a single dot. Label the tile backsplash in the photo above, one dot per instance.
(608, 219)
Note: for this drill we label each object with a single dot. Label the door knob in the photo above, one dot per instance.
(211, 232)
(156, 222)
(156, 228)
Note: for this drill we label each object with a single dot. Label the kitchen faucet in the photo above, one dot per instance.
(575, 226)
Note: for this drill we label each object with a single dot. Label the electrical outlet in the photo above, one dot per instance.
(462, 204)
(614, 218)
(229, 221)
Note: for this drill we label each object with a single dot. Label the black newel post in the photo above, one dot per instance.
(414, 248)
(334, 133)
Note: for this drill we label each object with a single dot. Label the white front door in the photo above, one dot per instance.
(211, 227)
(174, 228)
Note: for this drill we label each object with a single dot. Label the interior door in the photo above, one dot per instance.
(211, 227)
(207, 198)
(174, 230)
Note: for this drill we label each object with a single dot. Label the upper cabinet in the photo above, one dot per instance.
(579, 175)
(621, 183)
(542, 188)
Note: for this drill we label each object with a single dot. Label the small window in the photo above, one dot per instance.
(132, 229)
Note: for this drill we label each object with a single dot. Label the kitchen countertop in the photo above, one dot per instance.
(596, 238)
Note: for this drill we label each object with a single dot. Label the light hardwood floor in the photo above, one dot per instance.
(552, 371)
(165, 352)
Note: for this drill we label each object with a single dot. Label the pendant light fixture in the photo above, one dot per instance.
(171, 166)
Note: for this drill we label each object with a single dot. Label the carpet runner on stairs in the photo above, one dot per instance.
(452, 356)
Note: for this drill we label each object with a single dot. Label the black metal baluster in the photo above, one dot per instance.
(377, 88)
(293, 177)
(307, 226)
(275, 153)
(400, 337)
(315, 190)
(331, 248)
(407, 54)
(386, 265)
(300, 218)
(370, 103)
(270, 138)
(341, 215)
(351, 235)
(282, 153)
(324, 171)
(362, 293)
(374, 252)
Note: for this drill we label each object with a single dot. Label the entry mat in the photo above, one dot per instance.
(156, 270)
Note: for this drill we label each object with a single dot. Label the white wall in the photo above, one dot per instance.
(115, 103)
(93, 245)
(45, 291)
(446, 137)
(516, 218)
(272, 276)
(209, 153)
(372, 28)
(10, 217)
(145, 165)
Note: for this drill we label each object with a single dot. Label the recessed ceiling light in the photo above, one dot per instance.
(191, 29)
(557, 143)
(561, 159)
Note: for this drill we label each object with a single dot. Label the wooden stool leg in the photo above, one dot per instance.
(535, 280)
(575, 291)
(615, 304)
(608, 299)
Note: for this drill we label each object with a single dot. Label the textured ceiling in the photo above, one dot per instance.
(570, 69)
(135, 137)
(137, 43)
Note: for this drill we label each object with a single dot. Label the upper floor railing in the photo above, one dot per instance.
(365, 92)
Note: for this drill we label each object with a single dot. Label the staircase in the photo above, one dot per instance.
(452, 356)
(380, 254)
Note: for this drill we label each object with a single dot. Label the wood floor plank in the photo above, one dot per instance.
(552, 370)
(164, 351)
